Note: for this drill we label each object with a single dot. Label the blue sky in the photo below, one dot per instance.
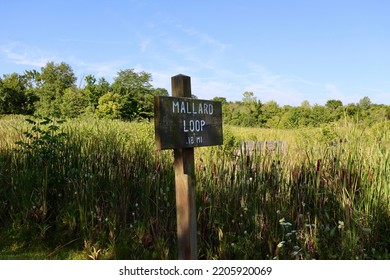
(287, 51)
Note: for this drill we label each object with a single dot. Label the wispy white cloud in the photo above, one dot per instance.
(92, 41)
(204, 38)
(107, 70)
(143, 44)
(21, 54)
(183, 46)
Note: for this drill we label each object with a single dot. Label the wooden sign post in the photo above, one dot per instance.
(182, 123)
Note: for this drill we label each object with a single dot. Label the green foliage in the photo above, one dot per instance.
(14, 95)
(109, 106)
(136, 94)
(43, 141)
(333, 104)
(53, 80)
(365, 102)
(253, 113)
(73, 103)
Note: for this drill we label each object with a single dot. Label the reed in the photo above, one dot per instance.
(100, 188)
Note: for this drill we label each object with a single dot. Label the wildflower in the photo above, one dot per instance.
(280, 245)
(245, 232)
(294, 253)
(341, 225)
(283, 222)
(136, 205)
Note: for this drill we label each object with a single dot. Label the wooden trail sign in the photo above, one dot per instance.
(185, 122)
(182, 123)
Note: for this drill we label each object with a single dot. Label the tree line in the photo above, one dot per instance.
(252, 112)
(52, 91)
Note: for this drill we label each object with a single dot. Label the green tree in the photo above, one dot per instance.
(52, 83)
(226, 109)
(74, 103)
(319, 115)
(136, 94)
(271, 114)
(109, 106)
(95, 89)
(251, 109)
(249, 97)
(32, 78)
(365, 103)
(291, 118)
(160, 92)
(220, 99)
(351, 110)
(13, 98)
(333, 104)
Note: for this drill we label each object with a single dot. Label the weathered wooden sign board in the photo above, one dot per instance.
(182, 123)
(186, 122)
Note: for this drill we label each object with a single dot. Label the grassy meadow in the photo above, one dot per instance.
(99, 189)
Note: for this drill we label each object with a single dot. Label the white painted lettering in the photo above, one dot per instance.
(205, 109)
(193, 109)
(185, 107)
(175, 105)
(200, 109)
(202, 124)
(182, 108)
(194, 125)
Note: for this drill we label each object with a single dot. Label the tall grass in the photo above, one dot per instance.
(106, 192)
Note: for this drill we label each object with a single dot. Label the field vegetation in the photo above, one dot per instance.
(92, 188)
